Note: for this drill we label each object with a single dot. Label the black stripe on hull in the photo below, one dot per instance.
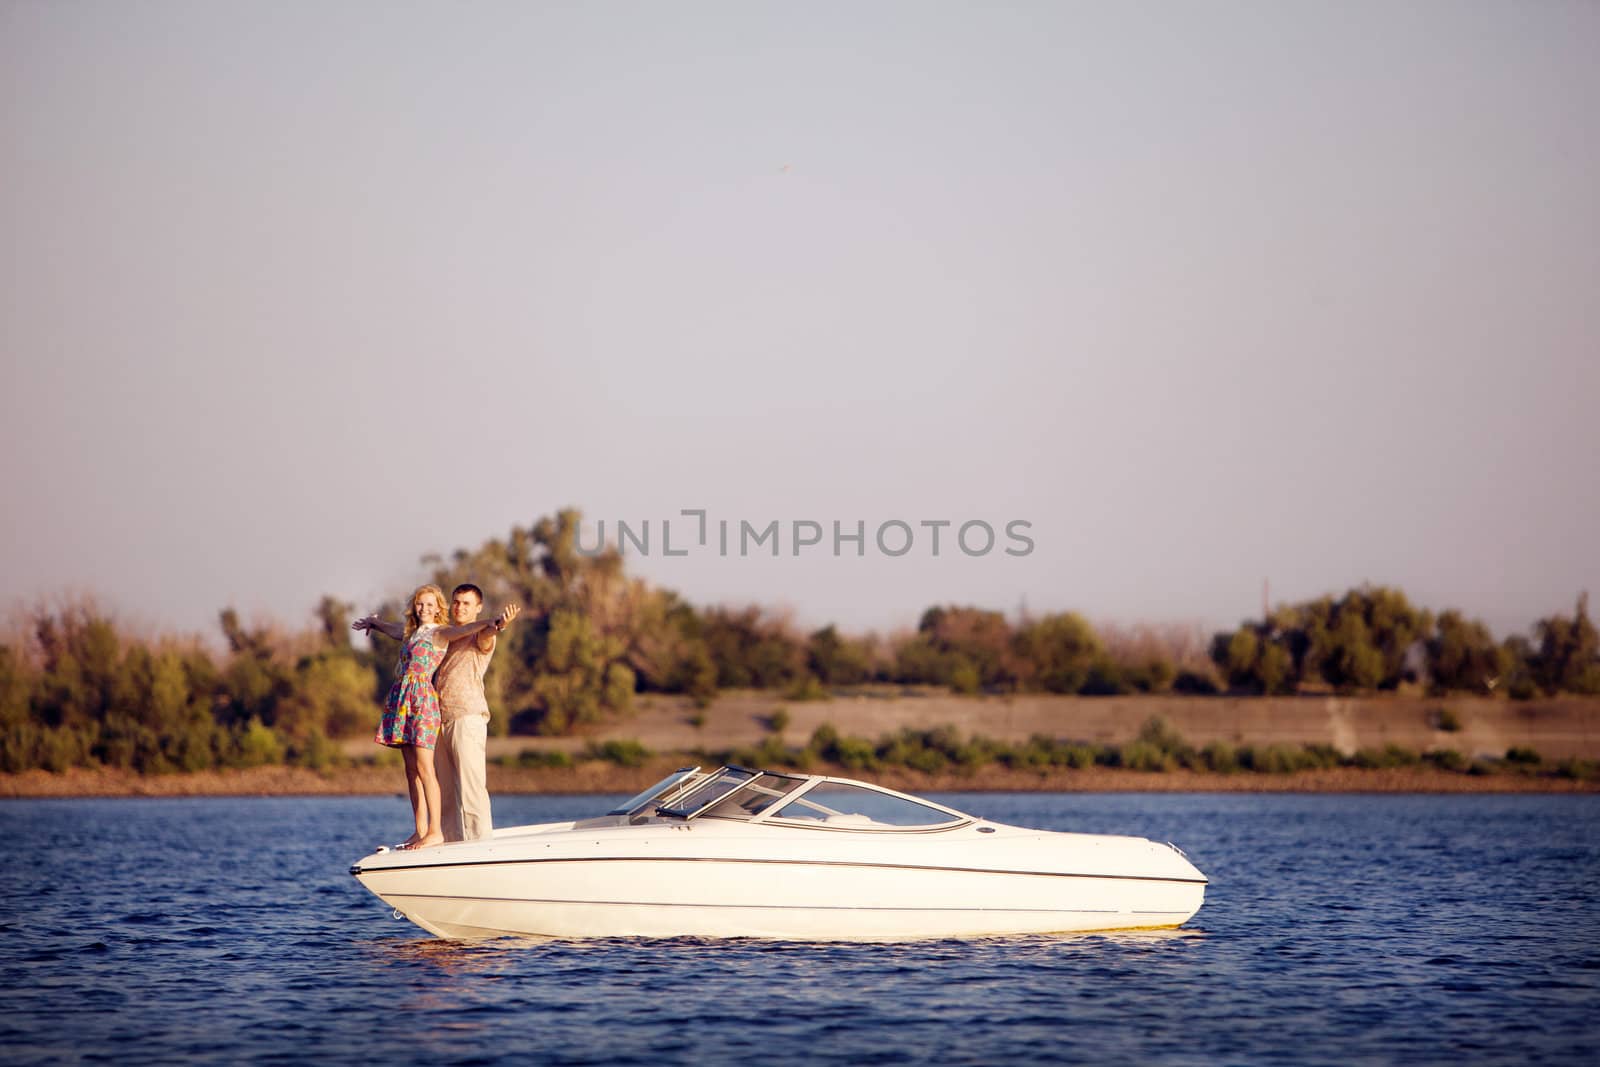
(357, 868)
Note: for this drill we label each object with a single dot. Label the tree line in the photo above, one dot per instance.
(76, 689)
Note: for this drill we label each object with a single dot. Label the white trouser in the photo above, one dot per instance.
(460, 762)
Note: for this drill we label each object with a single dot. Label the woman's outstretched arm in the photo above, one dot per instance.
(372, 622)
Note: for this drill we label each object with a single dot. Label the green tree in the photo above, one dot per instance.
(82, 678)
(17, 682)
(334, 615)
(1369, 638)
(330, 695)
(1463, 655)
(1257, 658)
(1568, 657)
(1062, 652)
(579, 675)
(1350, 660)
(836, 659)
(970, 641)
(752, 649)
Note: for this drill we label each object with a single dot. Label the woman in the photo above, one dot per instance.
(411, 710)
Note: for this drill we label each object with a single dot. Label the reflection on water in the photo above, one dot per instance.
(1386, 929)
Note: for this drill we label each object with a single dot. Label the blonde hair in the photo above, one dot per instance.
(412, 622)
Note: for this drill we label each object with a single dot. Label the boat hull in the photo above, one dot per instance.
(831, 891)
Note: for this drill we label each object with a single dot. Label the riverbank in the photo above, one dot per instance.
(596, 776)
(1557, 728)
(662, 728)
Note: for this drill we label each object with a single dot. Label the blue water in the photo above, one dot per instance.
(1337, 929)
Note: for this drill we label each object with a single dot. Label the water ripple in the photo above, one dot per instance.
(1378, 929)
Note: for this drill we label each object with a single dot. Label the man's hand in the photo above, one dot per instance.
(510, 612)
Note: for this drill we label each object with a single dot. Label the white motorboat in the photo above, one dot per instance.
(735, 852)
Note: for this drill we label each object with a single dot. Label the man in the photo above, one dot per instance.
(461, 759)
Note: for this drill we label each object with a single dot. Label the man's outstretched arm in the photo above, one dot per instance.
(486, 637)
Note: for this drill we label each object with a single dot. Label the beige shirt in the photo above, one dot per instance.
(459, 679)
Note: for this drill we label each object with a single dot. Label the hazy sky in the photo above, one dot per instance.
(1208, 293)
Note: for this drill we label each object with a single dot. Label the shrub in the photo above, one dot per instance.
(316, 752)
(1175, 751)
(772, 752)
(823, 740)
(1195, 683)
(1271, 759)
(779, 720)
(385, 757)
(964, 678)
(1040, 751)
(255, 746)
(1221, 757)
(1144, 756)
(533, 759)
(1154, 675)
(1447, 759)
(1525, 756)
(1318, 756)
(1445, 719)
(1105, 679)
(1034, 754)
(624, 752)
(807, 688)
(1078, 757)
(855, 753)
(1579, 770)
(1388, 757)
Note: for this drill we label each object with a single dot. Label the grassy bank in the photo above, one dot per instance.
(1557, 728)
(601, 776)
(919, 740)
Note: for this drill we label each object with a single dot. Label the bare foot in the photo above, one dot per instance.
(410, 842)
(426, 842)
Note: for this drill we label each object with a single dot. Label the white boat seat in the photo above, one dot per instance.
(849, 820)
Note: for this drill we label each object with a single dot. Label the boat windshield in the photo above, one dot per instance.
(845, 805)
(755, 797)
(718, 785)
(661, 792)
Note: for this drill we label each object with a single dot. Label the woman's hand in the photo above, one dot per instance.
(371, 624)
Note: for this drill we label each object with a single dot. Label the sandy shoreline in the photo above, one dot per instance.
(598, 777)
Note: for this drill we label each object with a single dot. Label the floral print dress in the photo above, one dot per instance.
(411, 710)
